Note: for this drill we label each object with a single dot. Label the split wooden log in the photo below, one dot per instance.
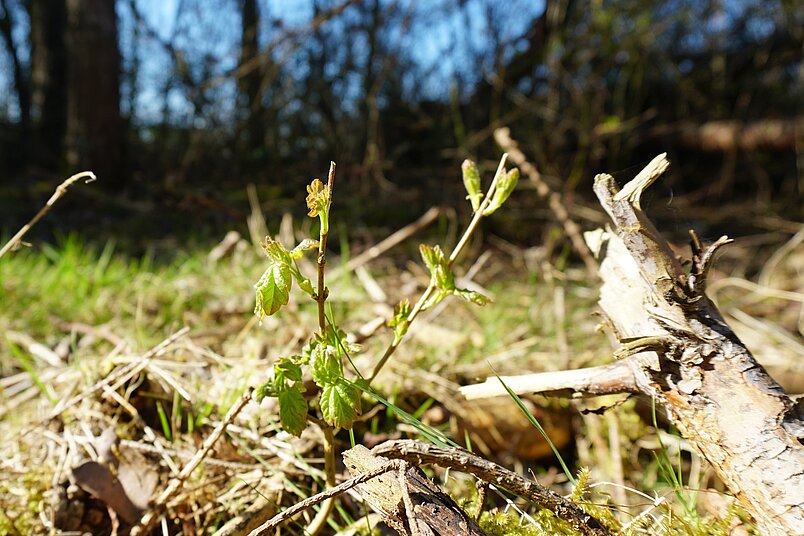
(407, 501)
(677, 349)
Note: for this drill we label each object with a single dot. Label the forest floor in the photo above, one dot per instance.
(96, 344)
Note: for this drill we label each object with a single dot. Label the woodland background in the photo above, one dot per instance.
(178, 105)
(200, 117)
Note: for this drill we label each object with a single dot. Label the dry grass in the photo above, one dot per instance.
(159, 353)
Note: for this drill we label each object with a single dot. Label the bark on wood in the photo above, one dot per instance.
(678, 349)
(434, 512)
(419, 452)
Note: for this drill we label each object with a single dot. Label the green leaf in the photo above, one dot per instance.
(336, 338)
(305, 245)
(273, 289)
(287, 370)
(471, 181)
(293, 410)
(340, 404)
(505, 186)
(472, 296)
(326, 366)
(275, 251)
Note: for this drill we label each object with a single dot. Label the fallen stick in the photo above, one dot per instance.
(554, 200)
(419, 452)
(378, 249)
(309, 502)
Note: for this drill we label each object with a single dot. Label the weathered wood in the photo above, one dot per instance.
(420, 452)
(394, 498)
(712, 388)
(677, 348)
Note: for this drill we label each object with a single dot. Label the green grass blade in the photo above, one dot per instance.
(27, 366)
(164, 421)
(428, 432)
(539, 427)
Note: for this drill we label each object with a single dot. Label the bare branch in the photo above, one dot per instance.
(419, 452)
(61, 189)
(160, 503)
(503, 137)
(309, 502)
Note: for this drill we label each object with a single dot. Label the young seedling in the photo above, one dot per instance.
(338, 398)
(442, 280)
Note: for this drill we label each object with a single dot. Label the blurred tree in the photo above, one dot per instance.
(399, 91)
(95, 130)
(251, 76)
(48, 21)
(20, 76)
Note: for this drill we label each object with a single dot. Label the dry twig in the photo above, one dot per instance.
(402, 234)
(61, 189)
(330, 493)
(574, 233)
(160, 503)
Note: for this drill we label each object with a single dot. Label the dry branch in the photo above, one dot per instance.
(612, 378)
(399, 236)
(61, 189)
(768, 134)
(175, 485)
(678, 349)
(419, 453)
(503, 137)
(325, 495)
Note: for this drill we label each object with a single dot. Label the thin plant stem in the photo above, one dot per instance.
(321, 295)
(467, 234)
(321, 518)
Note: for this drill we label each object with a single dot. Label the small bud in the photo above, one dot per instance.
(471, 181)
(318, 201)
(505, 186)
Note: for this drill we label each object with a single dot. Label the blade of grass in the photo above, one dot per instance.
(666, 469)
(428, 432)
(164, 421)
(539, 427)
(27, 365)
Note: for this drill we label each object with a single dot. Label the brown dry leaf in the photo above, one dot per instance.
(138, 477)
(98, 480)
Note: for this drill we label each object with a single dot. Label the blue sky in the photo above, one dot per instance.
(441, 41)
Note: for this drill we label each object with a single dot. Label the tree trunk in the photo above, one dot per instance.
(250, 84)
(95, 133)
(48, 19)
